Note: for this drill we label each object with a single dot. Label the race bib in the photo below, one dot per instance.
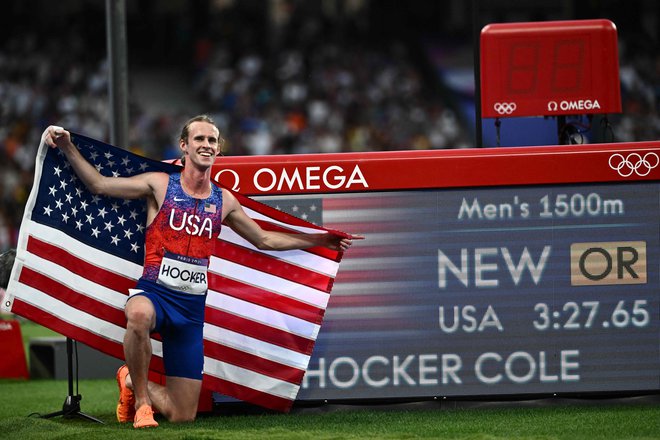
(185, 274)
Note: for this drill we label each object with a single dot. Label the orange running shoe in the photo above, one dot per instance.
(144, 418)
(126, 404)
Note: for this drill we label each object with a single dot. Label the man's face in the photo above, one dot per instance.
(202, 145)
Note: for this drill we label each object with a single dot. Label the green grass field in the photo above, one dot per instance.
(21, 403)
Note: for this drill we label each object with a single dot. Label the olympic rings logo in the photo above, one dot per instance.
(634, 163)
(504, 108)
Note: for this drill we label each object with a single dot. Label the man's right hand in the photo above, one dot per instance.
(55, 137)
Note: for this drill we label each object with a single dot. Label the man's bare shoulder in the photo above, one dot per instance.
(228, 199)
(155, 181)
(158, 176)
(154, 178)
(229, 203)
(226, 194)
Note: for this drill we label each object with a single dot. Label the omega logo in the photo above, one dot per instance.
(236, 178)
(299, 178)
(580, 104)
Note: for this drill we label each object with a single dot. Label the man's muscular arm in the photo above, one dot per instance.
(247, 228)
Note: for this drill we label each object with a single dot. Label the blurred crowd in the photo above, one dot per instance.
(639, 73)
(324, 97)
(331, 99)
(42, 82)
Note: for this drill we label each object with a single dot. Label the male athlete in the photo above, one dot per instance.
(161, 301)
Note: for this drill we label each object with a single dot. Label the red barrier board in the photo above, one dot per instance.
(13, 363)
(378, 171)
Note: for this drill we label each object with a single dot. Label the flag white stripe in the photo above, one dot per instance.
(81, 285)
(70, 314)
(262, 315)
(309, 261)
(255, 346)
(269, 282)
(250, 379)
(85, 252)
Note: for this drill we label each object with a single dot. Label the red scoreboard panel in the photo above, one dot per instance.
(549, 68)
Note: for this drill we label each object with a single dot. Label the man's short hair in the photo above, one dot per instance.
(185, 131)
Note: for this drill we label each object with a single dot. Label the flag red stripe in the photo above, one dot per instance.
(265, 298)
(259, 331)
(251, 362)
(80, 267)
(69, 296)
(248, 394)
(273, 266)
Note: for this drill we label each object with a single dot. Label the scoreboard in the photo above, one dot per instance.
(508, 271)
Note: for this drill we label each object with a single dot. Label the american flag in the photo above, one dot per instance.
(79, 253)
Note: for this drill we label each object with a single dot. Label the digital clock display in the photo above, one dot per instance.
(549, 68)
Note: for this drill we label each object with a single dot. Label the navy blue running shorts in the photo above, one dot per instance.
(180, 323)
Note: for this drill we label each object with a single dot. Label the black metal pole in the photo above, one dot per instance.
(71, 405)
(118, 71)
(476, 38)
(69, 366)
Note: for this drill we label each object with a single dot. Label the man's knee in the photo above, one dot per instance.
(139, 319)
(183, 416)
(140, 312)
(183, 396)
